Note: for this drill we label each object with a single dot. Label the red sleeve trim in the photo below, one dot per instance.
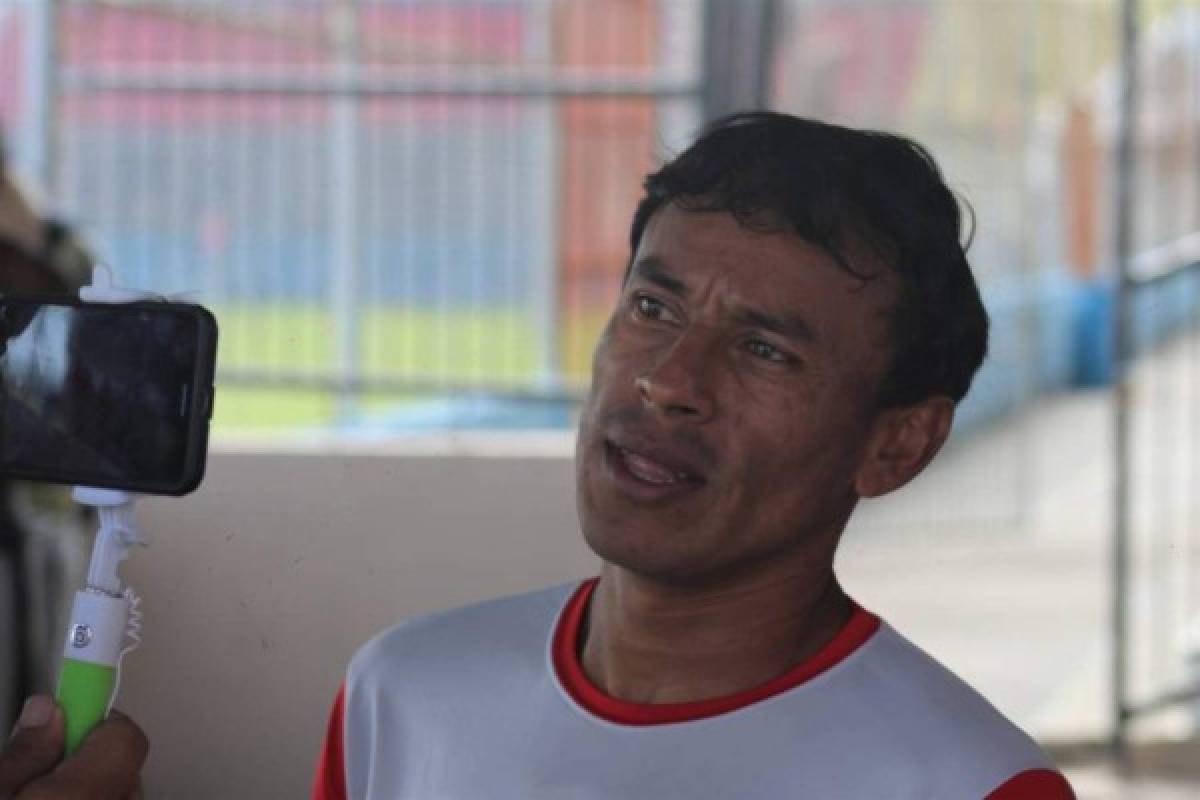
(1034, 784)
(330, 780)
(861, 627)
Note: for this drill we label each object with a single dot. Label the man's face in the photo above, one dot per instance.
(731, 401)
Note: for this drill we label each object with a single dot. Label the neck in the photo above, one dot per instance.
(651, 643)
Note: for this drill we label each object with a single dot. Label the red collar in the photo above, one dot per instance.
(861, 626)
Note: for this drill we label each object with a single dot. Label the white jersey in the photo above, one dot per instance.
(490, 701)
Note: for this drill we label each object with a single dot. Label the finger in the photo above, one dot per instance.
(35, 747)
(107, 764)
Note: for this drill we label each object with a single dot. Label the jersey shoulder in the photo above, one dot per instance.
(460, 641)
(940, 715)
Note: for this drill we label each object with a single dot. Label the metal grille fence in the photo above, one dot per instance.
(386, 200)
(1156, 546)
(374, 196)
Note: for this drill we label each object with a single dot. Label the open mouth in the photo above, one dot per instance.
(645, 476)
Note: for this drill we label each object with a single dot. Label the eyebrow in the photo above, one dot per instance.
(790, 326)
(653, 270)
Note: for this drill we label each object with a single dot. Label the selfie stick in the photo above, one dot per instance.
(104, 616)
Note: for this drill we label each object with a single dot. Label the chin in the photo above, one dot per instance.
(631, 554)
(626, 552)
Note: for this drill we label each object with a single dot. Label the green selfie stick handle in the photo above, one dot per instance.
(89, 669)
(84, 692)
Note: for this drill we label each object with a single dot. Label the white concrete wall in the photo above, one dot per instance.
(259, 587)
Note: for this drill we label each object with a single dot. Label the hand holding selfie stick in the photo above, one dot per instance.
(105, 617)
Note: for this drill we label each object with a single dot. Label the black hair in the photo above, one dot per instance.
(847, 191)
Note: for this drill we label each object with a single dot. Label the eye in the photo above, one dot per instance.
(768, 352)
(648, 307)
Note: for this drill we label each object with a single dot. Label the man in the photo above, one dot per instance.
(796, 325)
(795, 328)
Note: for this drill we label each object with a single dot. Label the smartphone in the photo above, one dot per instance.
(115, 396)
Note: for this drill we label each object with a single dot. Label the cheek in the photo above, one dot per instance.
(616, 362)
(601, 368)
(611, 357)
(798, 445)
(602, 343)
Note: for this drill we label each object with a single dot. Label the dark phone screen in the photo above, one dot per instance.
(95, 395)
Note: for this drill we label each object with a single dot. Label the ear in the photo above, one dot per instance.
(902, 442)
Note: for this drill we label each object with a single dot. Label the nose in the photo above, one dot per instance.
(679, 385)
